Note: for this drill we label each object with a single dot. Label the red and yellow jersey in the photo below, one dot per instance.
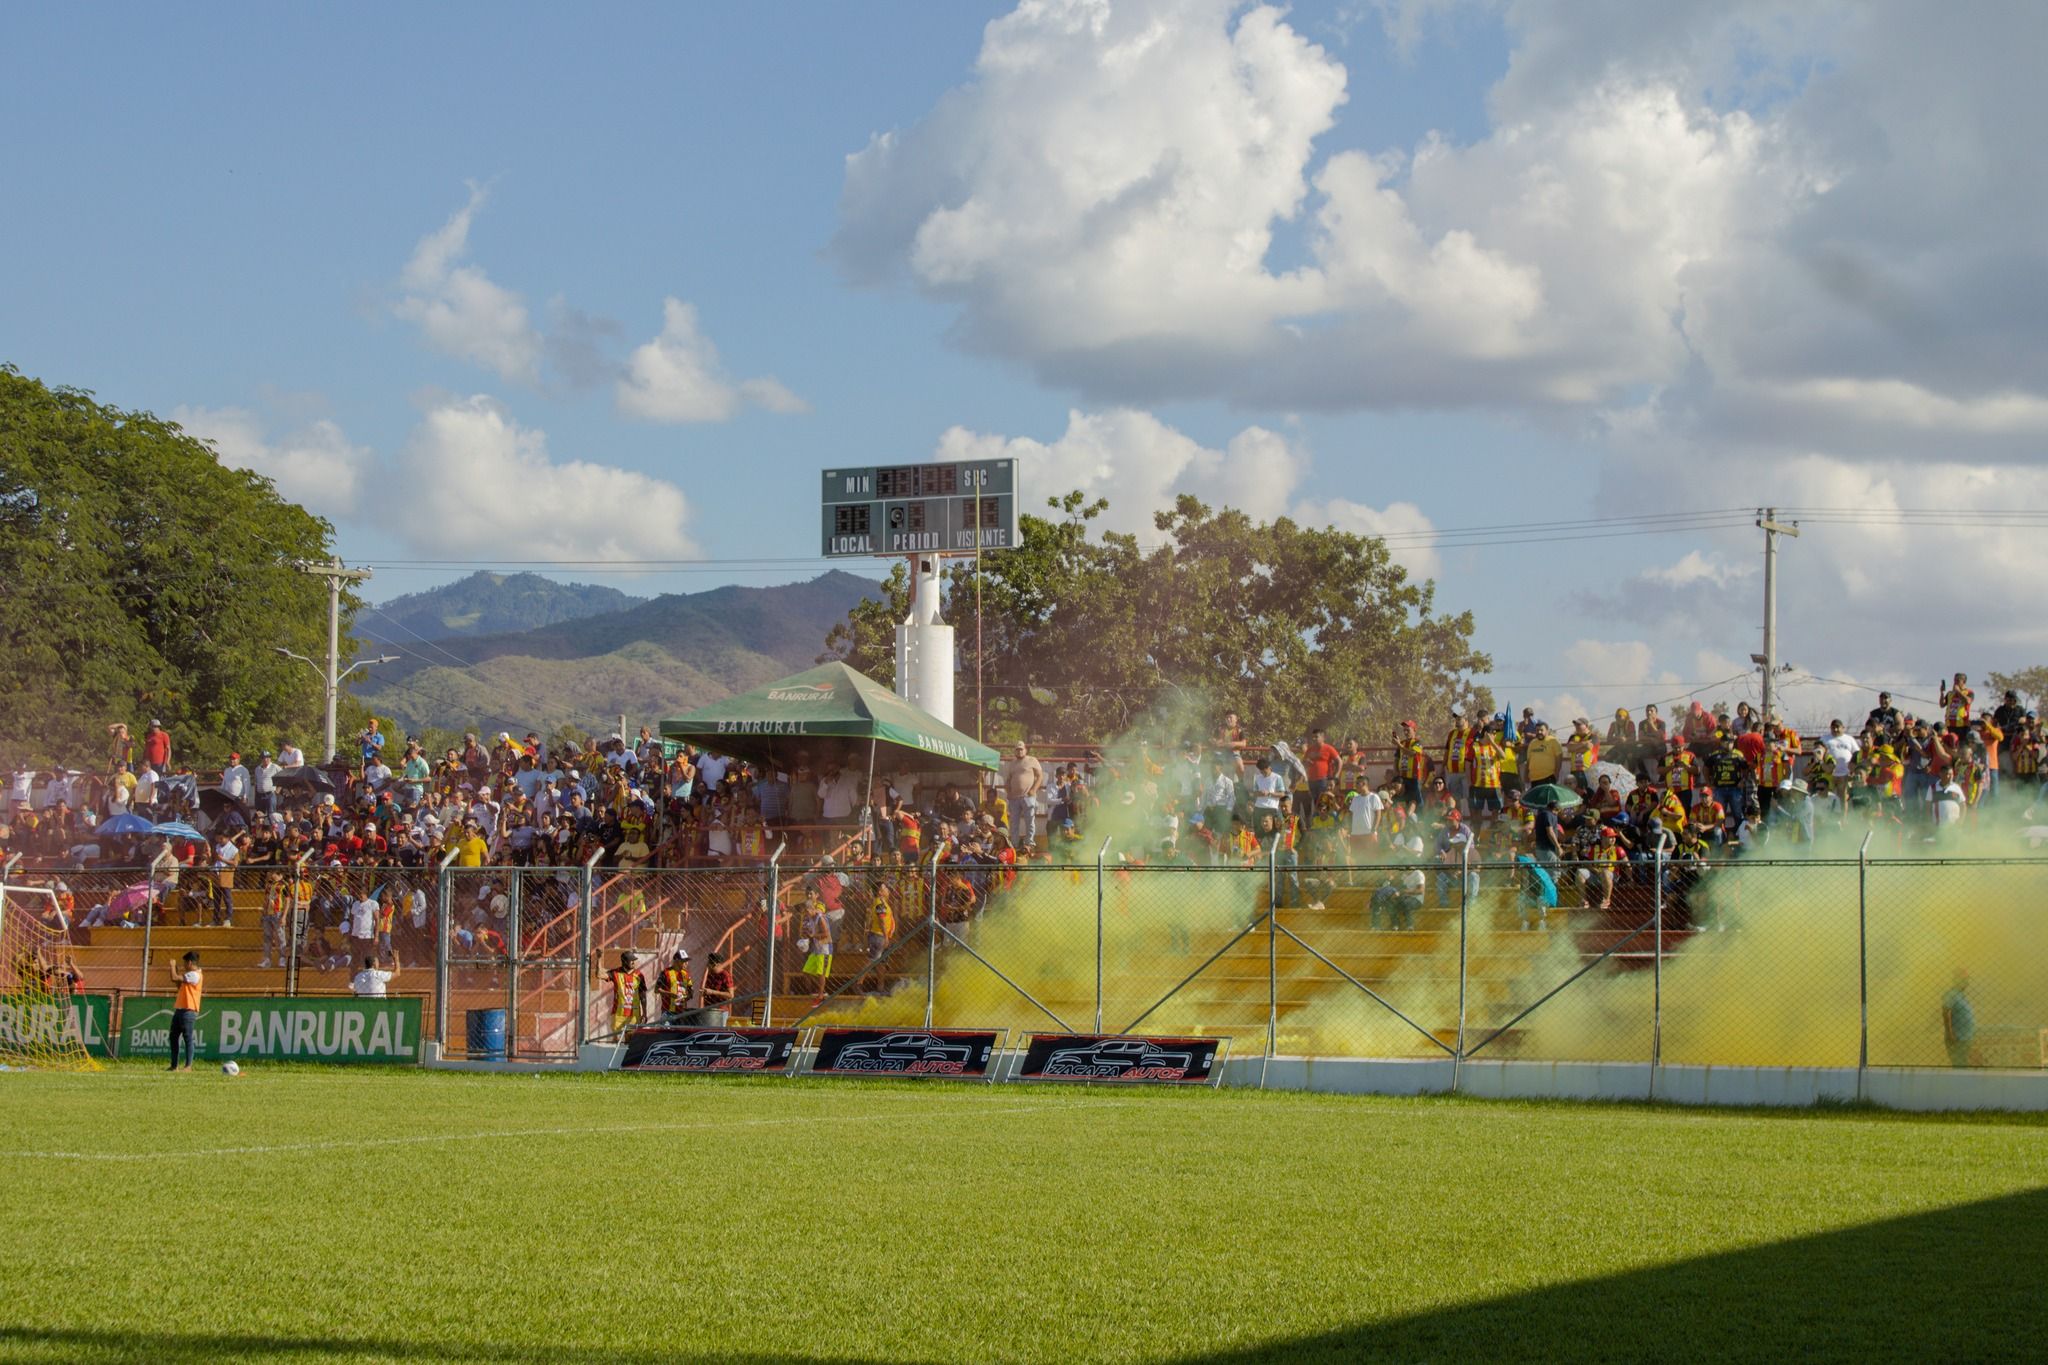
(1678, 771)
(1457, 749)
(1956, 703)
(675, 988)
(1584, 753)
(1671, 812)
(1485, 764)
(1409, 760)
(1607, 851)
(1778, 762)
(627, 988)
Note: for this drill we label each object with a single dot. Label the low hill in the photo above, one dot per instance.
(488, 604)
(652, 659)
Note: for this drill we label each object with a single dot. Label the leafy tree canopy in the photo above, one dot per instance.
(2030, 683)
(1090, 636)
(144, 579)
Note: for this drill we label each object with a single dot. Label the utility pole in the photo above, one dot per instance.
(1767, 521)
(336, 575)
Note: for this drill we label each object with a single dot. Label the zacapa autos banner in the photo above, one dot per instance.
(1122, 1059)
(86, 1020)
(967, 1053)
(285, 1029)
(714, 1049)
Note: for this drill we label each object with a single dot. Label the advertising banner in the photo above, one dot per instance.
(906, 1052)
(708, 1049)
(83, 1019)
(299, 1029)
(1122, 1059)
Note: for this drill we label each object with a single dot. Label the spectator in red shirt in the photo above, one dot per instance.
(1751, 745)
(156, 746)
(1320, 759)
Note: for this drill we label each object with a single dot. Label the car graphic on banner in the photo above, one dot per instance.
(905, 1052)
(1122, 1059)
(708, 1049)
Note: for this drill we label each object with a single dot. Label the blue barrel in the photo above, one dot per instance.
(487, 1035)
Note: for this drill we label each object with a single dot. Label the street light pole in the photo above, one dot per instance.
(1767, 522)
(335, 575)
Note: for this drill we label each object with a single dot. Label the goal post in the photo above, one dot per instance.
(38, 1026)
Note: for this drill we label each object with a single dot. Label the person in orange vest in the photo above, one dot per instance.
(629, 993)
(1410, 763)
(674, 987)
(1606, 859)
(1485, 754)
(1956, 700)
(190, 985)
(1583, 751)
(1458, 759)
(1679, 767)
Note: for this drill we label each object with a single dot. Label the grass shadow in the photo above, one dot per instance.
(1963, 1283)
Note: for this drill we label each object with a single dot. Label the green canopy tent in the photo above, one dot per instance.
(829, 713)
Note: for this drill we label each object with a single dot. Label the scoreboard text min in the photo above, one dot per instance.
(947, 509)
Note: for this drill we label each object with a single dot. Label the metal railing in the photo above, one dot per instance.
(1833, 962)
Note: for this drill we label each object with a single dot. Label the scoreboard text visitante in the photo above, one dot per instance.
(948, 509)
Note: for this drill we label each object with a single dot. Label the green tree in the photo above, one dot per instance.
(1089, 636)
(2030, 683)
(144, 579)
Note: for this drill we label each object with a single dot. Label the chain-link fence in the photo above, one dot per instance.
(1717, 960)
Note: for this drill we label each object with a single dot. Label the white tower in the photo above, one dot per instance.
(924, 645)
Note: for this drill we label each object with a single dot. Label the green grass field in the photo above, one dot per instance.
(323, 1215)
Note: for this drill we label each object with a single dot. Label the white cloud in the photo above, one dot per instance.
(677, 377)
(313, 464)
(460, 310)
(1141, 464)
(1791, 223)
(1412, 545)
(477, 482)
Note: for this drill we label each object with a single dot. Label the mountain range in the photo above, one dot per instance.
(487, 604)
(585, 659)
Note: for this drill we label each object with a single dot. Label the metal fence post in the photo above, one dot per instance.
(148, 929)
(585, 919)
(1272, 955)
(1863, 965)
(445, 890)
(1101, 854)
(1657, 963)
(931, 942)
(1464, 915)
(774, 913)
(517, 896)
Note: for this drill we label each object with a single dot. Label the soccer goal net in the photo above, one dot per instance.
(38, 1025)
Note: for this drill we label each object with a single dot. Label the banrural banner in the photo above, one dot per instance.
(86, 1020)
(301, 1029)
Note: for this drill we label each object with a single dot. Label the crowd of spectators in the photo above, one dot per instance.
(1700, 783)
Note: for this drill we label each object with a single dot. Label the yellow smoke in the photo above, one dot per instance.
(1772, 978)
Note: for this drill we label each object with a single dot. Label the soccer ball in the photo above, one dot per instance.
(230, 1068)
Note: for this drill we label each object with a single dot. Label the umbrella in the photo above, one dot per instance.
(1507, 722)
(129, 899)
(1551, 795)
(126, 823)
(1624, 781)
(306, 776)
(176, 829)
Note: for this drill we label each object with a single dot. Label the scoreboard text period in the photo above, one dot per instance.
(947, 509)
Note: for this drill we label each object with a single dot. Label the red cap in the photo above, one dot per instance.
(1408, 725)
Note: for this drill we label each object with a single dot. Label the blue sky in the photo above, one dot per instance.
(1473, 329)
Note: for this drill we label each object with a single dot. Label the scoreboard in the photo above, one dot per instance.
(946, 509)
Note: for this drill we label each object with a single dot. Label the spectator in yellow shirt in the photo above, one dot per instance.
(1542, 755)
(470, 849)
